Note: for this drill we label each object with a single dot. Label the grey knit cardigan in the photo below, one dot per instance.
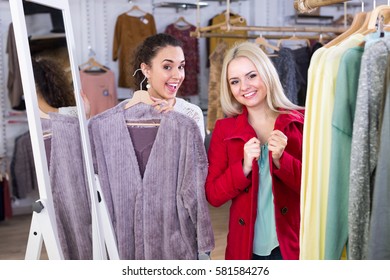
(163, 215)
(69, 187)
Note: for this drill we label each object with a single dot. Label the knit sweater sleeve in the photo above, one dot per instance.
(194, 193)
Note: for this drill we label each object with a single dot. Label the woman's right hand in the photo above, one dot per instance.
(251, 151)
(163, 105)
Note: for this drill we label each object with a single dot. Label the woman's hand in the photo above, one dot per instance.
(277, 142)
(251, 151)
(163, 105)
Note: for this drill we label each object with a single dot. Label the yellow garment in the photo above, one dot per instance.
(220, 18)
(130, 31)
(214, 111)
(344, 255)
(308, 150)
(318, 165)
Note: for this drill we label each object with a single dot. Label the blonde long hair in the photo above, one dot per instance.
(264, 66)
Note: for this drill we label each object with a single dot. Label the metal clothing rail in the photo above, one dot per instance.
(285, 29)
(318, 29)
(266, 36)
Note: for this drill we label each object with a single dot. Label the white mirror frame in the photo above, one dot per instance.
(43, 226)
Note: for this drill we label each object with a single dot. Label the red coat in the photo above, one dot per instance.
(226, 181)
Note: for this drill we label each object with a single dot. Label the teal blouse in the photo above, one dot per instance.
(265, 239)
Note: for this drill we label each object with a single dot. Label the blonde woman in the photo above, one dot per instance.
(255, 158)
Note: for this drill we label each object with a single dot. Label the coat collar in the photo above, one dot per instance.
(242, 129)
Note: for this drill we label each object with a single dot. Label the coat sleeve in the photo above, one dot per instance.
(96, 146)
(291, 161)
(225, 179)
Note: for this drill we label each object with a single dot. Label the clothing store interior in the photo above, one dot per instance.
(53, 205)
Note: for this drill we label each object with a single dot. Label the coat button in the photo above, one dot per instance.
(241, 221)
(246, 190)
(284, 210)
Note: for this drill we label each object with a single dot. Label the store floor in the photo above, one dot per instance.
(14, 235)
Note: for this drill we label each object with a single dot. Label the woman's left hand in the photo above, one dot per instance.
(277, 142)
(163, 105)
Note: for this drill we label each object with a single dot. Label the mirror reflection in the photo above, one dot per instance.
(61, 130)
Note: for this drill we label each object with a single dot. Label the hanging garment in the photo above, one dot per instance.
(189, 86)
(14, 82)
(212, 43)
(164, 214)
(302, 60)
(100, 88)
(365, 144)
(2, 206)
(214, 111)
(379, 236)
(315, 161)
(289, 74)
(7, 198)
(343, 116)
(23, 167)
(129, 32)
(69, 186)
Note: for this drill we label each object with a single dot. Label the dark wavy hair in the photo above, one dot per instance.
(146, 51)
(52, 83)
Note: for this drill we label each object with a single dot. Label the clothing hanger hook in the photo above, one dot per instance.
(91, 52)
(135, 72)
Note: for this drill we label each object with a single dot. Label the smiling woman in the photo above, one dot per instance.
(161, 59)
(255, 156)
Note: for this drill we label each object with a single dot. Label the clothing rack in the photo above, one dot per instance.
(266, 36)
(228, 25)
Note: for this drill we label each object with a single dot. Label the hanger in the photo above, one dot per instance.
(93, 65)
(294, 38)
(380, 11)
(135, 8)
(140, 96)
(363, 28)
(47, 134)
(261, 41)
(183, 21)
(357, 23)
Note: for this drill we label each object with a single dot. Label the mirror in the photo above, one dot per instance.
(66, 216)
